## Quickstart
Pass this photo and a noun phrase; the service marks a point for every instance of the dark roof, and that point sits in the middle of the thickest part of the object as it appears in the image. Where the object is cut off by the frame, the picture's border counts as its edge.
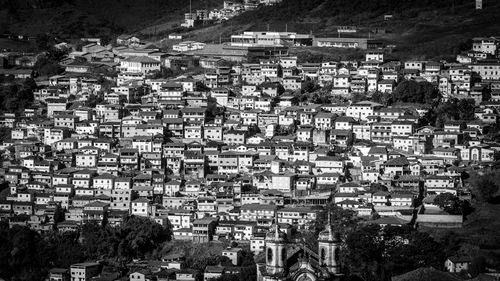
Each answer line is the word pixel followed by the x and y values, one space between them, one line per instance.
pixel 377 150
pixel 460 259
pixel 426 274
pixel 399 161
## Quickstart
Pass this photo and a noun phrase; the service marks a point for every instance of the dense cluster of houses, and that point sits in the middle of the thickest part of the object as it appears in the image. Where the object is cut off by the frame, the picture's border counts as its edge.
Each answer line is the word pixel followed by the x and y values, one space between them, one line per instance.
pixel 227 153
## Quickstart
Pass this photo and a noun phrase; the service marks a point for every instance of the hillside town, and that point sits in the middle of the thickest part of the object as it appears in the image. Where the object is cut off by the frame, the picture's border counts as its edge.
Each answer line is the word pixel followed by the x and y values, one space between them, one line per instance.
pixel 244 143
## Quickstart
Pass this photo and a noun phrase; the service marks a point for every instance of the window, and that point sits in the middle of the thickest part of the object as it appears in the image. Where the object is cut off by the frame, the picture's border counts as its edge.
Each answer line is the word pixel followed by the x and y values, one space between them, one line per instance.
pixel 269 255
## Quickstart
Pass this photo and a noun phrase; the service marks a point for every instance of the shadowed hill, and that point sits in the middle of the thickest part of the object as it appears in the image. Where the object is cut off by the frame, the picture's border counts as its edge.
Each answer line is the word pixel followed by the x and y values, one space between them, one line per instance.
pixel 77 18
pixel 424 29
pixel 420 29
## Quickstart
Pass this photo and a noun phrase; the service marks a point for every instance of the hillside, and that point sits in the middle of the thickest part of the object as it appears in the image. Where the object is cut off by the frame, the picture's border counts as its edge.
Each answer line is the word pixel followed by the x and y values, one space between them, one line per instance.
pixel 425 29
pixel 478 236
pixel 429 29
pixel 78 18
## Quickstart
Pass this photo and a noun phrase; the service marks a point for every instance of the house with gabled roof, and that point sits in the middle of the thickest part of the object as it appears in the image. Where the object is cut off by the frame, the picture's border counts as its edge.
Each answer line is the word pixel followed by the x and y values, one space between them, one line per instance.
pixel 379 152
pixel 457 263
pixel 105 181
pixel 141 207
pixel 361 110
pixel 350 187
pixel 396 166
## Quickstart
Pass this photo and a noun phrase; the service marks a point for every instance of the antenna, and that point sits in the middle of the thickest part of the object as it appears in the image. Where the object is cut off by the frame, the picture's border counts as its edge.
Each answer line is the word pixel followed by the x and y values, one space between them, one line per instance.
pixel 277 225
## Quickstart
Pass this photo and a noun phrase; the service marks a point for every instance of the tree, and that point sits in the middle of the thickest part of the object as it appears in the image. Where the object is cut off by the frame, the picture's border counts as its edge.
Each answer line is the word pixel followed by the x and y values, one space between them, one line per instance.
pixel 486 94
pixel 407 249
pixel 448 202
pixel 5 133
pixel 478 265
pixel 30 84
pixel 47 67
pixel 341 219
pixel 363 253
pixel 357 97
pixel 93 100
pixel 410 91
pixel 136 238
pixel 15 97
pixel 376 253
pixel 376 187
pixel 453 109
pixel 382 98
pixel 20 252
pixel 309 87
pixel 58 214
pixel 485 187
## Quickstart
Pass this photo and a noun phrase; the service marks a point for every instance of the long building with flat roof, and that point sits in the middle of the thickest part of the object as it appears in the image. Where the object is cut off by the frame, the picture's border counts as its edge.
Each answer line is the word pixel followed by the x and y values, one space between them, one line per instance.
pixel 348 43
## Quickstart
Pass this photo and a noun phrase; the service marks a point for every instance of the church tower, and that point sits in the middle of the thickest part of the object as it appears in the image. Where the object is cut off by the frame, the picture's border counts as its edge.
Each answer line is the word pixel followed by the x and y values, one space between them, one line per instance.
pixel 329 248
pixel 276 250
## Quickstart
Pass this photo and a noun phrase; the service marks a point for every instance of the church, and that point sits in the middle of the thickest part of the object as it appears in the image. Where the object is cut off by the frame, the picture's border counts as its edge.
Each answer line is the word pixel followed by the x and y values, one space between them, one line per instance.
pixel 291 261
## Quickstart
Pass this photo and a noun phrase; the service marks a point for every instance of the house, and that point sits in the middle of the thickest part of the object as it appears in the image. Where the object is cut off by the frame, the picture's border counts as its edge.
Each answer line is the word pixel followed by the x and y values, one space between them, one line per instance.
pixel 203 229
pixel 361 110
pixel 212 272
pixel 324 121
pixel 381 198
pixel 386 86
pixel 105 181
pixel 127 40
pixel 344 123
pixel 350 187
pixel 457 264
pixel 59 274
pixel 141 207
pixel 299 217
pixel 292 83
pixel 329 164
pixel 95 211
pixel 142 275
pixel 233 137
pixel 84 271
pixel 142 64
pixel 283 182
pixel 262 214
pixel 426 273
pixel 440 184
pixel 187 275
pixel 342 138
pixel 234 254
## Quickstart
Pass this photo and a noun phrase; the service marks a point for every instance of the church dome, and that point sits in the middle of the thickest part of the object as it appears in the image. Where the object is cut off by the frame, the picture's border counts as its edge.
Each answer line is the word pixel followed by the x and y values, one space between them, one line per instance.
pixel 327 234
pixel 275 234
